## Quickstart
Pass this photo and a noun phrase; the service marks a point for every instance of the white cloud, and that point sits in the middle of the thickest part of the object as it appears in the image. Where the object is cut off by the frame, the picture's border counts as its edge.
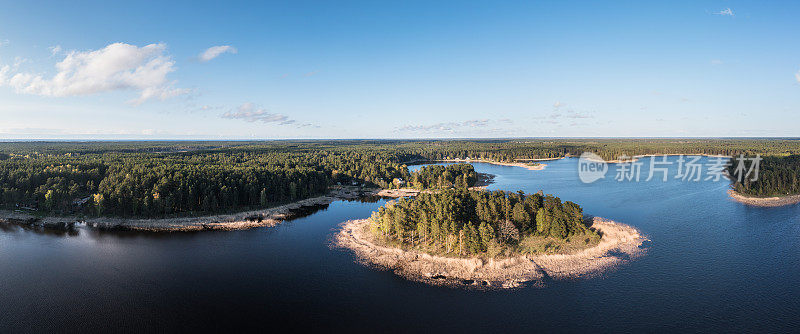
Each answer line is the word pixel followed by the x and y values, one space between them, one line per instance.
pixel 3 42
pixel 725 12
pixel 215 51
pixel 557 105
pixel 250 113
pixel 118 66
pixel 716 62
pixel 796 75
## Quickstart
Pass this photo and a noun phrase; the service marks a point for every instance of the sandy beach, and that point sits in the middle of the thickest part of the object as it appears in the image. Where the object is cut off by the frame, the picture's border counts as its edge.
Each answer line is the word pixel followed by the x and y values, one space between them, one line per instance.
pixel 619 243
pixel 538 166
pixel 542 159
pixel 767 202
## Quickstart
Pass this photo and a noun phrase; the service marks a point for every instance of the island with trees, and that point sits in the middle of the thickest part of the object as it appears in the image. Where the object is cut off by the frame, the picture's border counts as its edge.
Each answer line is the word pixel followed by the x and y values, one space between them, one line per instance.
pixel 489 239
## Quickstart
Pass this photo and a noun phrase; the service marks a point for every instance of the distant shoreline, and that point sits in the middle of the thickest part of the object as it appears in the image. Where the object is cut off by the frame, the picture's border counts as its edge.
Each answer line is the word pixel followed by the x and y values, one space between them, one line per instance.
pixel 266 217
pixel 619 243
pixel 764 202
pixel 242 220
pixel 541 166
pixel 639 156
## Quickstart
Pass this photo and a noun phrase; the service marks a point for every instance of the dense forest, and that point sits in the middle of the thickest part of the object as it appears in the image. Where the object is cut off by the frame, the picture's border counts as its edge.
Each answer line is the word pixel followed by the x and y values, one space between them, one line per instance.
pixel 777 176
pixel 462 222
pixel 166 178
pixel 133 181
pixel 461 176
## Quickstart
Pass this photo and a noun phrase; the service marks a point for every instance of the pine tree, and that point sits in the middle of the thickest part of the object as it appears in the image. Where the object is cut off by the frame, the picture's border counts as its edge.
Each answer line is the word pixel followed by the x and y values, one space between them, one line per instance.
pixel 487 234
pixel 521 216
pixel 542 222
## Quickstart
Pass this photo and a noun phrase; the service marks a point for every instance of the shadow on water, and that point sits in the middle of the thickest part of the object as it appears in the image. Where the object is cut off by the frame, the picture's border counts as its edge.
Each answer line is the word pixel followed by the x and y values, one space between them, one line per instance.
pixel 65 229
pixel 71 229
pixel 306 211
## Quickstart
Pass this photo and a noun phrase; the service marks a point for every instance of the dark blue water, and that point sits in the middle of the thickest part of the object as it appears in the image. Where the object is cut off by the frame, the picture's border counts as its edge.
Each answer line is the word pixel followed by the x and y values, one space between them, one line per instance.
pixel 713 265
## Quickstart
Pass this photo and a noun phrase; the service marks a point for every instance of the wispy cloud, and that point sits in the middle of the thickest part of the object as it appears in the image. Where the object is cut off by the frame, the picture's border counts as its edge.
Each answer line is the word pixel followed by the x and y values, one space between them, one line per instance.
pixel 447 126
pixel 574 114
pixel 118 66
pixel 216 51
pixel 19 61
pixel 195 108
pixel 797 76
pixel 716 62
pixel 54 50
pixel 725 12
pixel 251 113
pixel 4 42
pixel 558 112
pixel 5 71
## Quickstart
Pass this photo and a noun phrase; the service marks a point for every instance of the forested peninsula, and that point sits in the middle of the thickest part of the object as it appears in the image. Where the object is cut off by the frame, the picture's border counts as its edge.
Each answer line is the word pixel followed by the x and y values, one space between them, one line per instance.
pixel 777 182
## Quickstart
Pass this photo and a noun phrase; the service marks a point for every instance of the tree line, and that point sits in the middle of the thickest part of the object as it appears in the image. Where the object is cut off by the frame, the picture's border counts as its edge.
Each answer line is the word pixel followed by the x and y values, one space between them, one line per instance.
pixel 461 176
pixel 463 222
pixel 777 176
pixel 165 178
pixel 141 183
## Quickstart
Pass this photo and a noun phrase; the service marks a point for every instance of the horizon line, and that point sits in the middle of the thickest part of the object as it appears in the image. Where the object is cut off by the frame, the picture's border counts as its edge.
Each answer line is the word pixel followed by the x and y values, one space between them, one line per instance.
pixel 23 140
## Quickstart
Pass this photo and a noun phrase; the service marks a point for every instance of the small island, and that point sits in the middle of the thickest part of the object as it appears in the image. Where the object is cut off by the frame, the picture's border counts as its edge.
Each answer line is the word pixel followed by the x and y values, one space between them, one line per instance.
pixel 488 239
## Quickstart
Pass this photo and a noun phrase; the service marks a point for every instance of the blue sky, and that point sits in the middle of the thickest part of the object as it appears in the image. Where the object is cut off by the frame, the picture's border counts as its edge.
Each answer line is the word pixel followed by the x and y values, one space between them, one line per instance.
pixel 403 69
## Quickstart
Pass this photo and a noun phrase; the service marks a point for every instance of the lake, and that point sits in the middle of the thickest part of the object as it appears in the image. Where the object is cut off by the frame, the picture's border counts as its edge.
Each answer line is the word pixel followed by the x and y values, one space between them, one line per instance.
pixel 713 265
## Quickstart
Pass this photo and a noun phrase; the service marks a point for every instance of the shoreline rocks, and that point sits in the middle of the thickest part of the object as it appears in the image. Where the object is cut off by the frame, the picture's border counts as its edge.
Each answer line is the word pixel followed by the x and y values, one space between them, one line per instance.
pixel 764 202
pixel 619 243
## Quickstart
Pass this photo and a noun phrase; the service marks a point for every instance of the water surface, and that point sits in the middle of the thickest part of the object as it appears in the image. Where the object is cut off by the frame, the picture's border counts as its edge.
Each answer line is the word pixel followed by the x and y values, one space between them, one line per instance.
pixel 712 265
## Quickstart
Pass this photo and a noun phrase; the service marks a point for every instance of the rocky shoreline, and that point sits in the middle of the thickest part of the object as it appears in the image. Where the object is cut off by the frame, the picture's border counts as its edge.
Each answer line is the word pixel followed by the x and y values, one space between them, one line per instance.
pixel 764 202
pixel 619 243
pixel 233 221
